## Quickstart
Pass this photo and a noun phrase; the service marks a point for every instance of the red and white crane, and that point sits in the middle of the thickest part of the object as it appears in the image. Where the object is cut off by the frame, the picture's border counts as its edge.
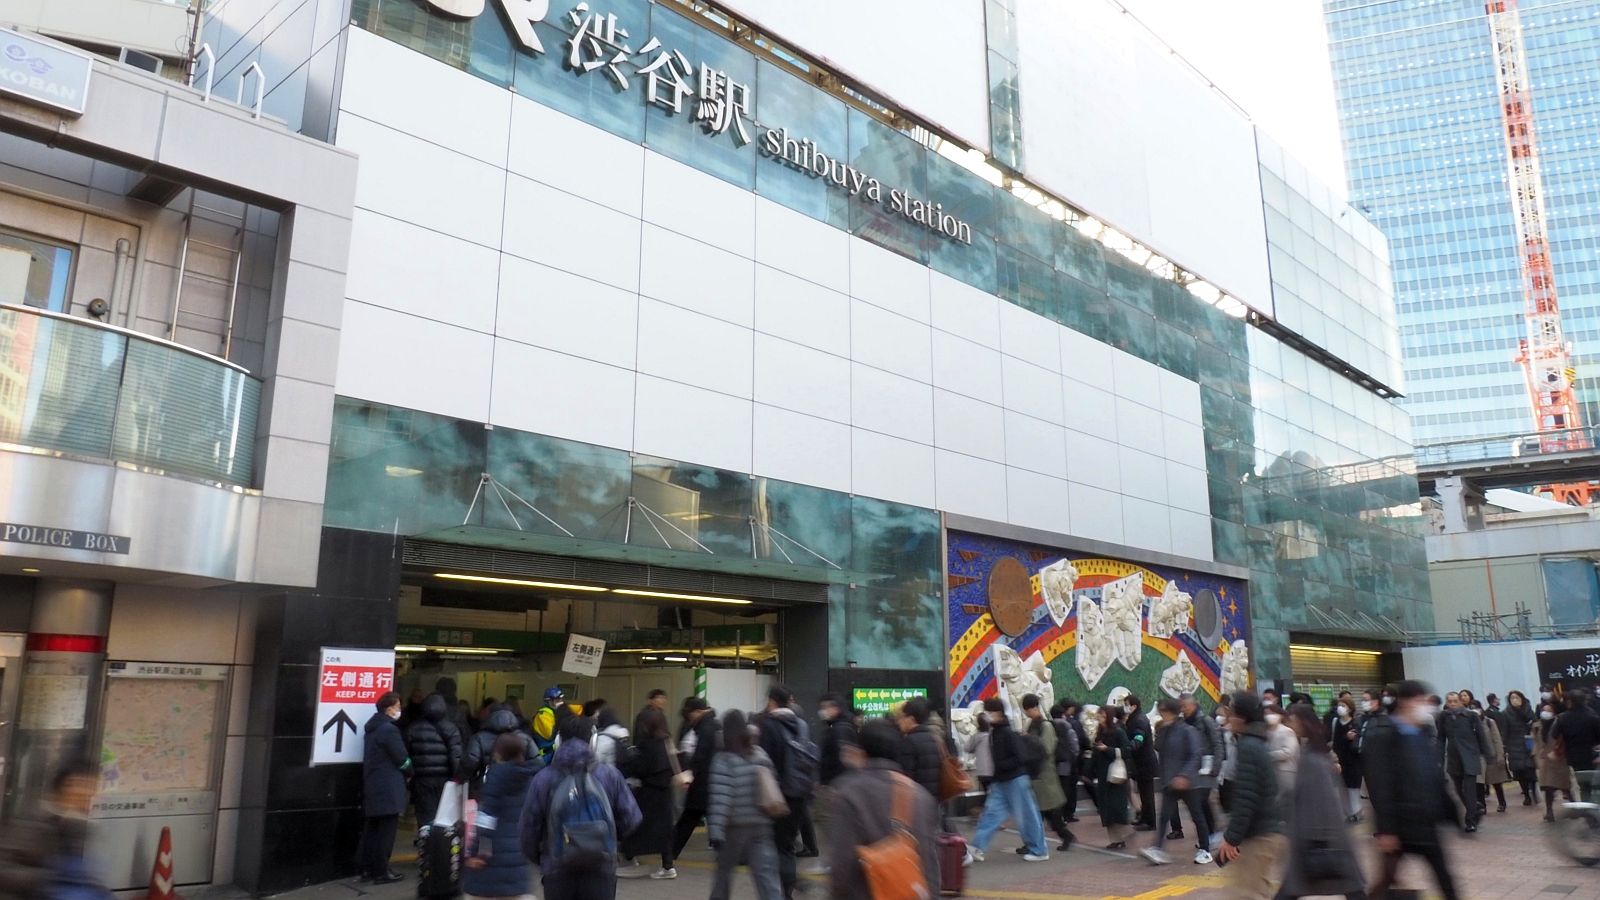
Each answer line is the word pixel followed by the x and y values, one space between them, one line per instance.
pixel 1544 353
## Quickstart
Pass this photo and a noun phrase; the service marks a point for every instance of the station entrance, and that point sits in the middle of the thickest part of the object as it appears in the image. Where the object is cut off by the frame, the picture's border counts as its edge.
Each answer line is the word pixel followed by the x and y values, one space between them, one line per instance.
pixel 498 622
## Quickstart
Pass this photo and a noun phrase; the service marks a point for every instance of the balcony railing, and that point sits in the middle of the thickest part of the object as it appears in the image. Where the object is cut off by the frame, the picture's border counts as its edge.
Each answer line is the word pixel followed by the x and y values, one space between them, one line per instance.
pixel 1507 447
pixel 93 390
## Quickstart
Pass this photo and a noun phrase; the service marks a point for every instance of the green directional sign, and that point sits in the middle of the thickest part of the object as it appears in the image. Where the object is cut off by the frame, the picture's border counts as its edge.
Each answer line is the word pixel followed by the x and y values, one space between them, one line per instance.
pixel 874 702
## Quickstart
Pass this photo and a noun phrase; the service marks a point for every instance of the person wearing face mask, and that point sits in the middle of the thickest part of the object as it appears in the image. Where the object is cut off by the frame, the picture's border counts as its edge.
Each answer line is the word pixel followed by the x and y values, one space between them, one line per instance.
pixel 1346 732
pixel 1555 776
pixel 1344 699
pixel 385 766
pixel 1253 841
pixel 1223 716
pixel 1143 765
pixel 1408 791
pixel 1284 748
pixel 1461 741
pixel 1322 861
pixel 1516 733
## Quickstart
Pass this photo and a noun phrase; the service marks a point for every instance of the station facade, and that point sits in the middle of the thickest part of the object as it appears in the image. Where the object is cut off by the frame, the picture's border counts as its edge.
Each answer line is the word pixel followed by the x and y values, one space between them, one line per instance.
pixel 1004 355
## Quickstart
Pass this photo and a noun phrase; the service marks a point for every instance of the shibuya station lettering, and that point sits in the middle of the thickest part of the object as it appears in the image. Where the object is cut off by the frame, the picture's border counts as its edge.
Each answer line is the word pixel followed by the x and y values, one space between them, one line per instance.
pixel 805 156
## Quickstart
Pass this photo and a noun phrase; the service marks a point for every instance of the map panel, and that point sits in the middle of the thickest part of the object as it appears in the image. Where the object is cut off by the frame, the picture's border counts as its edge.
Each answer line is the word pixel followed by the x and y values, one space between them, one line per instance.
pixel 158 735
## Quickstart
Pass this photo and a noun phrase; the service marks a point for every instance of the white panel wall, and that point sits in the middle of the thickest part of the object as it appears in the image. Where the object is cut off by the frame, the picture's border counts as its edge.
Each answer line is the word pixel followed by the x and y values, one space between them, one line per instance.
pixel 698 322
pixel 929 56
pixel 1116 125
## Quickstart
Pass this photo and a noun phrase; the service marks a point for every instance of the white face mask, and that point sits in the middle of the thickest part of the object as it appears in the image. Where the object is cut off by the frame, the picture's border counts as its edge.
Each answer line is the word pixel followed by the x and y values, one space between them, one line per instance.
pixel 1547 715
pixel 1344 710
pixel 393 712
pixel 1388 701
pixel 1222 719
pixel 1273 719
pixel 1544 695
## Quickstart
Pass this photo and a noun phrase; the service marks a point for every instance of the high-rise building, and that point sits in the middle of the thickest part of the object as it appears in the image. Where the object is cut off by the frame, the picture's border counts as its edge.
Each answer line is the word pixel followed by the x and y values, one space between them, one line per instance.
pixel 1420 104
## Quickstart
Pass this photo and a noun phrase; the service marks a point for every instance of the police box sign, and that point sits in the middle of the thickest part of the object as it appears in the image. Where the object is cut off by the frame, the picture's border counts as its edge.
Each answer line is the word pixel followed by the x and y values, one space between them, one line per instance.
pixel 63 538
pixel 44 72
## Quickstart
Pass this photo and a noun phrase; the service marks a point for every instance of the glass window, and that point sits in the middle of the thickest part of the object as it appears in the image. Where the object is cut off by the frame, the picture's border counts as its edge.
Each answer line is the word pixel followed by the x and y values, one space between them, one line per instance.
pixel 401 471
pixel 34 272
pixel 714 129
pixel 900 166
pixel 806 114
pixel 678 506
pixel 593 96
pixel 973 201
pixel 581 487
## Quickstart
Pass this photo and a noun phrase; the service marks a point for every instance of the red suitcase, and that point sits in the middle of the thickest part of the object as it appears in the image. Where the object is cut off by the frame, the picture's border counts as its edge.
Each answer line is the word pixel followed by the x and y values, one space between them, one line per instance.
pixel 952 865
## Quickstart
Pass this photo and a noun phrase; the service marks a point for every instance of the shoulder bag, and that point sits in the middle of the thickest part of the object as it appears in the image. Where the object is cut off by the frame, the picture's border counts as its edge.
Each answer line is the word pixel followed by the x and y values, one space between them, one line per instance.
pixel 953 778
pixel 769 797
pixel 893 865
pixel 1117 772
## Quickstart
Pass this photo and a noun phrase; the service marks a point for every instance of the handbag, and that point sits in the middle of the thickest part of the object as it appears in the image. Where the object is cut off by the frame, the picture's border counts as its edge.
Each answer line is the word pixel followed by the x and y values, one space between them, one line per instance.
pixel 768 796
pixel 953 778
pixel 893 864
pixel 1117 772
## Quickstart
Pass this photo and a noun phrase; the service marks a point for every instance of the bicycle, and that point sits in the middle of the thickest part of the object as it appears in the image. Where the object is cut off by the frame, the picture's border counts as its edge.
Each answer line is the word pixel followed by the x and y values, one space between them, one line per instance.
pixel 1576 831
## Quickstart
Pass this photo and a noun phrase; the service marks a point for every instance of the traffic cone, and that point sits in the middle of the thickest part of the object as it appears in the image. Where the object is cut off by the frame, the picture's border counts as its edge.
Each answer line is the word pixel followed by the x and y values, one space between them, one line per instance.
pixel 161 874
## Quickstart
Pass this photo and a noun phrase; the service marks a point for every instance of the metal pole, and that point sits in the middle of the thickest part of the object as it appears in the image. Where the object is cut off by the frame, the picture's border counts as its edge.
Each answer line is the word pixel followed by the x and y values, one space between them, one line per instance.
pixel 183 262
pixel 233 296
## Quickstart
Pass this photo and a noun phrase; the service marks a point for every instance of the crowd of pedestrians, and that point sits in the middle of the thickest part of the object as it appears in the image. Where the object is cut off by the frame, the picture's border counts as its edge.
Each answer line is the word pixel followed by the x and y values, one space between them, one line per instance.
pixel 1270 786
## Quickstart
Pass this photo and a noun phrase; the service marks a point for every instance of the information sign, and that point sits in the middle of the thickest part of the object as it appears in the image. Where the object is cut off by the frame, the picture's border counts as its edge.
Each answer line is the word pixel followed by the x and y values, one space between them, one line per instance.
pixel 583 655
pixel 1569 669
pixel 349 684
pixel 873 702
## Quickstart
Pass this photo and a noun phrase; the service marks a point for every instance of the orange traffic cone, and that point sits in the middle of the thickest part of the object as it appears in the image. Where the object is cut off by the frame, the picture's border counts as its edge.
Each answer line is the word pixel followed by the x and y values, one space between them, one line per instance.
pixel 161 874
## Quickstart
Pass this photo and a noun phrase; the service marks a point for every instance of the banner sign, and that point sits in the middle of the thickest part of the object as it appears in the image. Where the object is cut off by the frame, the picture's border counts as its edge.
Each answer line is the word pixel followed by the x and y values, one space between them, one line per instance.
pixel 583 655
pixel 1567 670
pixel 349 685
pixel 873 702
pixel 44 72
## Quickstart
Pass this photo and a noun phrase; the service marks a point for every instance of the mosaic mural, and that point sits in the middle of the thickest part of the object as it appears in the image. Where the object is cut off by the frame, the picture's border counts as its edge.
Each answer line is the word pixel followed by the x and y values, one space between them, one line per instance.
pixel 1028 619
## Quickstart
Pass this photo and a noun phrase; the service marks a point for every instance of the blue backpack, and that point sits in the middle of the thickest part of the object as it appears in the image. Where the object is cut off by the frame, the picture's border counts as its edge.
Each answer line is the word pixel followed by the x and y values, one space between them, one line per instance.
pixel 581 831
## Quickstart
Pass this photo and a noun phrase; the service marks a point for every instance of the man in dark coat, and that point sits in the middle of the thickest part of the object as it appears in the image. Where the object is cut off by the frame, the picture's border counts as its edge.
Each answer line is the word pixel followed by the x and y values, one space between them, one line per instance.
pixel 435 747
pixel 920 758
pixel 1578 729
pixel 43 853
pixel 1462 745
pixel 1407 790
pixel 479 752
pixel 1253 841
pixel 1145 767
pixel 838 733
pixel 1213 754
pixel 699 720
pixel 446 688
pixel 385 766
pixel 779 726
pixel 1180 750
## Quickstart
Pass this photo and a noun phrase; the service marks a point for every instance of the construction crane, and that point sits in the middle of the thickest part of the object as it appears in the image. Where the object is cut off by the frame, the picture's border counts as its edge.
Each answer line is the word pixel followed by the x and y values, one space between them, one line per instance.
pixel 1544 354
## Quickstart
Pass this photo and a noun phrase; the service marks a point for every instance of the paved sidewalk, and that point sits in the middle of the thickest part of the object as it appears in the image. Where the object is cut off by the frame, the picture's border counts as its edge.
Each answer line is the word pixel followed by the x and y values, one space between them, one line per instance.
pixel 1508 859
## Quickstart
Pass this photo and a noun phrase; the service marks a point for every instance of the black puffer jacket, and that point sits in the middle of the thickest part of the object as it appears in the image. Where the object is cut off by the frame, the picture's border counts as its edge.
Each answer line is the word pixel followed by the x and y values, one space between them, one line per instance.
pixel 1005 748
pixel 1255 789
pixel 836 735
pixel 480 749
pixel 920 758
pixel 434 743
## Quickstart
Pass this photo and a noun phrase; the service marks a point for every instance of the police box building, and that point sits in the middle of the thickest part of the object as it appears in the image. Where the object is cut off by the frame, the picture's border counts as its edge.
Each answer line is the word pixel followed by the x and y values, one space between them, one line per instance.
pixel 614 345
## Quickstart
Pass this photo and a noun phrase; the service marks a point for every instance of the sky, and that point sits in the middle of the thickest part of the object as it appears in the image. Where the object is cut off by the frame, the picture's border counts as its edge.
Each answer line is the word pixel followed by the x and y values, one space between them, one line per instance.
pixel 1271 58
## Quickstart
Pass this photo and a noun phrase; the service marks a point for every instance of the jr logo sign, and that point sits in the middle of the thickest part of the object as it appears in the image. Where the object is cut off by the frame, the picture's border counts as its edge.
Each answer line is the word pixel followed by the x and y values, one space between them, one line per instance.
pixel 520 13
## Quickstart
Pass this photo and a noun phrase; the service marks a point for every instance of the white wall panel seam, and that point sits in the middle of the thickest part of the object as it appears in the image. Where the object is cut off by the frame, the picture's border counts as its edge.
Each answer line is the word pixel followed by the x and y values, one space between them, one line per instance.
pixel 638 328
pixel 505 187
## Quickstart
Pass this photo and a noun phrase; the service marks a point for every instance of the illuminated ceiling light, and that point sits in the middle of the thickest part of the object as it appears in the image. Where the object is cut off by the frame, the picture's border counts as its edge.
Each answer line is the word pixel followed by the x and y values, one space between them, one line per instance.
pixel 475 651
pixel 519 582
pixel 674 659
pixel 1310 649
pixel 633 650
pixel 401 471
pixel 651 658
pixel 29 570
pixel 410 648
pixel 659 595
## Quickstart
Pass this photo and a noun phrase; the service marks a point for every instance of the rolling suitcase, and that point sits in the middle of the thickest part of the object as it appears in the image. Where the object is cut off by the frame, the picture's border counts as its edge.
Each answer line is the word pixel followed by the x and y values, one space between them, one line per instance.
pixel 952 865
pixel 439 856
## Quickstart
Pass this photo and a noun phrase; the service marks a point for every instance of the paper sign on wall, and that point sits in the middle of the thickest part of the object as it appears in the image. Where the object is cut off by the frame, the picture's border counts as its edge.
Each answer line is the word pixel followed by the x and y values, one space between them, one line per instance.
pixel 583 655
pixel 349 685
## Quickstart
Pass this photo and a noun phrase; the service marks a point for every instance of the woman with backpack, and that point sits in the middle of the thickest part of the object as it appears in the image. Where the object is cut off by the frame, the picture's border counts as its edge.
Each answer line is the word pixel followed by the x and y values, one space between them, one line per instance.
pixel 653 768
pixel 610 739
pixel 495 865
pixel 739 829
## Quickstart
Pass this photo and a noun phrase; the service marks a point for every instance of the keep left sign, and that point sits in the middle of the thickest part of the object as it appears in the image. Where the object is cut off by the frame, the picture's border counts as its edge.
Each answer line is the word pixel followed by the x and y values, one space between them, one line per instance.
pixel 349 683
